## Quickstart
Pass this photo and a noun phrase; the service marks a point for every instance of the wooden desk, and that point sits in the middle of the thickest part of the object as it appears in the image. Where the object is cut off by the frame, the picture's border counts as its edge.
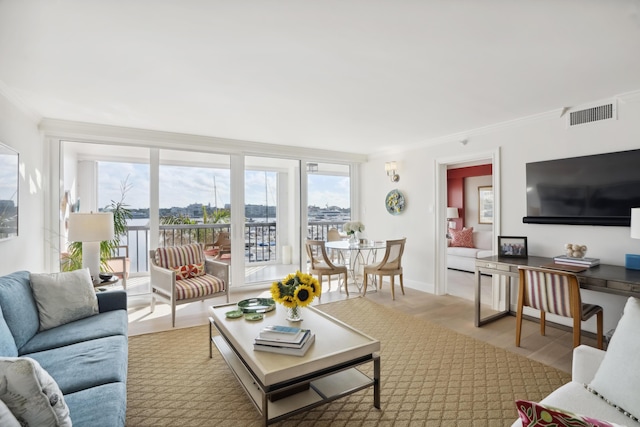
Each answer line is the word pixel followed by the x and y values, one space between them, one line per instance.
pixel 611 279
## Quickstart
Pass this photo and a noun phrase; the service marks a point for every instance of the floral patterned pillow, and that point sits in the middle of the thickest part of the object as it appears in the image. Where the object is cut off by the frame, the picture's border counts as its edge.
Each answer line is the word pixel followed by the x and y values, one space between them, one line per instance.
pixel 462 238
pixel 31 394
pixel 189 271
pixel 536 415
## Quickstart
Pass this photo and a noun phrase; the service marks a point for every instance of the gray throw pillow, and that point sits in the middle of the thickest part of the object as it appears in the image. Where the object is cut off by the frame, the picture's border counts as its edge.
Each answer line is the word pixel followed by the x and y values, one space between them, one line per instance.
pixel 63 297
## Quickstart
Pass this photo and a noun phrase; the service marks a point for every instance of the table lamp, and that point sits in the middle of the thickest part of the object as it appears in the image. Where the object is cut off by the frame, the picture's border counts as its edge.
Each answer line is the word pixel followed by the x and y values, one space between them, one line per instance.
pixel 91 229
pixel 632 261
pixel 452 213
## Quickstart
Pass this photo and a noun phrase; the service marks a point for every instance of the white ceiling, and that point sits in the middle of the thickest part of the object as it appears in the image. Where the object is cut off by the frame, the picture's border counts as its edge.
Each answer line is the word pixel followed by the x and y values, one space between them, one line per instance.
pixel 352 75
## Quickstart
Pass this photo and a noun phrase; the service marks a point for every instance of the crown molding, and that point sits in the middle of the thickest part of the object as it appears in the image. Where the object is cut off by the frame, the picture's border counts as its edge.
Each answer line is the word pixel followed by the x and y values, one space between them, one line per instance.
pixel 108 134
pixel 19 103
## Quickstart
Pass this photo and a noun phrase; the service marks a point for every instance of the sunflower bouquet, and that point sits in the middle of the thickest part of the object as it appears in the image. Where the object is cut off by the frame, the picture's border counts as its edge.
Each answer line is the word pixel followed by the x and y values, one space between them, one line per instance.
pixel 296 290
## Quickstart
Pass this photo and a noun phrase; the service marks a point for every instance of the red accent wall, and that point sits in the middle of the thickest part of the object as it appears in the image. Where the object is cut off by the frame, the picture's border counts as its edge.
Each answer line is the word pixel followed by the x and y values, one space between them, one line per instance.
pixel 455 187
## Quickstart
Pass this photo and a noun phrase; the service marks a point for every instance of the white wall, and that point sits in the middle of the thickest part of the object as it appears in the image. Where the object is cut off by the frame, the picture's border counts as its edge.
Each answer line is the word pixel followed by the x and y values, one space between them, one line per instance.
pixel 541 138
pixel 19 131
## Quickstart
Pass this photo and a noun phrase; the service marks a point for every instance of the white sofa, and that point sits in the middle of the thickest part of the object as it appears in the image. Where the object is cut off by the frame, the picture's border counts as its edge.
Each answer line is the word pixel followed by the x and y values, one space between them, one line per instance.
pixel 465 258
pixel 614 374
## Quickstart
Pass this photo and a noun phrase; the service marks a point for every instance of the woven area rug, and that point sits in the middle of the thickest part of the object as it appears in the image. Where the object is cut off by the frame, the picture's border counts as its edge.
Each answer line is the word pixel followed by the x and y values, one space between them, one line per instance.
pixel 431 376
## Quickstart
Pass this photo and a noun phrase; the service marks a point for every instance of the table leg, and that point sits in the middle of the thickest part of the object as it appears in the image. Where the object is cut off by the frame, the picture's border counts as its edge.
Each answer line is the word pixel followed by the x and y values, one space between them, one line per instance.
pixel 478 320
pixel 376 381
pixel 265 409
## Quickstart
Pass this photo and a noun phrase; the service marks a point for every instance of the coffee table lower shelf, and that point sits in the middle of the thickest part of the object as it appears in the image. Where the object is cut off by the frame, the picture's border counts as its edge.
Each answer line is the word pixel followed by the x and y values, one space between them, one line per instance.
pixel 323 388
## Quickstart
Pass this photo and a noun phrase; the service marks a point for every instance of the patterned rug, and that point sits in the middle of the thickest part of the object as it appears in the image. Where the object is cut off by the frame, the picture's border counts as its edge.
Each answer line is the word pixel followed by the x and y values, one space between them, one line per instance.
pixel 431 376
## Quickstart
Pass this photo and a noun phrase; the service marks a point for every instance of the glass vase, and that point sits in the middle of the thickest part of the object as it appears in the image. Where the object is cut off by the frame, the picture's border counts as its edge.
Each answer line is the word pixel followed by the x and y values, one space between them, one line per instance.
pixel 353 239
pixel 294 314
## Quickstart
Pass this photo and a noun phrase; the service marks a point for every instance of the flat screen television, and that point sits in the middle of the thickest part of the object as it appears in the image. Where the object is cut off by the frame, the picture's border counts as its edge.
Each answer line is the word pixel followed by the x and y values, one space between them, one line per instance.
pixel 589 190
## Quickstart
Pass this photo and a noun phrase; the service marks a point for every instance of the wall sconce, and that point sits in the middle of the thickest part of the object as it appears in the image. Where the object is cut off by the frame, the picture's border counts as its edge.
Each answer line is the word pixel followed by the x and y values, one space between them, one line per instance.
pixel 312 167
pixel 391 168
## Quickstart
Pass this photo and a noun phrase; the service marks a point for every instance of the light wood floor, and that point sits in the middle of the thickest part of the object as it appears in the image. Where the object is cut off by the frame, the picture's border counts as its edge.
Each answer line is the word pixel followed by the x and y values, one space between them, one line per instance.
pixel 453 311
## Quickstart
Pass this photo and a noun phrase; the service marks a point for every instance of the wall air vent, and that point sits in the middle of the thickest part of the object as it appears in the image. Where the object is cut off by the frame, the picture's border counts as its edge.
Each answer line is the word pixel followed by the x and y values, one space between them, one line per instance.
pixel 596 113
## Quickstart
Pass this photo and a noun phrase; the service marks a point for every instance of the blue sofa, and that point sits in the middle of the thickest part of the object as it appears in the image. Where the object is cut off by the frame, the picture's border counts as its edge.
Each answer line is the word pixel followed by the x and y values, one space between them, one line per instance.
pixel 87 358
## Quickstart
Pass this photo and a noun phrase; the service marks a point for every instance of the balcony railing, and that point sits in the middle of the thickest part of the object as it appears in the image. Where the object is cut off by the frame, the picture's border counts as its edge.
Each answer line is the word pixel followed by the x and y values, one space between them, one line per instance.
pixel 261 245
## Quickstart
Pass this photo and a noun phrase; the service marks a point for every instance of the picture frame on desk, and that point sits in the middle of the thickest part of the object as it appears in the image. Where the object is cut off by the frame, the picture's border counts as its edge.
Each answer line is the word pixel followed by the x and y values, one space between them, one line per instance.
pixel 512 246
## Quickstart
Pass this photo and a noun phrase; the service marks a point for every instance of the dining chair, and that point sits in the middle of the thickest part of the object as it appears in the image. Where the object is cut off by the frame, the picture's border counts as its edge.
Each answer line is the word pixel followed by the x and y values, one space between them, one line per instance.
pixel 391 265
pixel 333 235
pixel 556 292
pixel 321 265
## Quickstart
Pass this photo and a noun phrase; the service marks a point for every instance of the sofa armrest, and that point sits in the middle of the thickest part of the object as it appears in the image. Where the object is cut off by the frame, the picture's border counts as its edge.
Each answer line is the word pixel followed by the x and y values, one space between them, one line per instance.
pixel 586 361
pixel 112 300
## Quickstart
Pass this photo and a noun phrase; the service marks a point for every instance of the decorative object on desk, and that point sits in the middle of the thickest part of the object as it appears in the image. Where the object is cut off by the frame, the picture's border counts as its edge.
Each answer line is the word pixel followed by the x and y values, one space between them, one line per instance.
pixel 512 246
pixel 575 250
pixel 632 261
pixel 395 202
pixel 295 291
pixel 351 228
pixel 584 262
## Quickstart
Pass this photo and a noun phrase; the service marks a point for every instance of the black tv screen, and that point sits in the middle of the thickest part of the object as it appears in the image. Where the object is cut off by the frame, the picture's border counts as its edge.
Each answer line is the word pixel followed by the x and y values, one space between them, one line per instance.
pixel 589 190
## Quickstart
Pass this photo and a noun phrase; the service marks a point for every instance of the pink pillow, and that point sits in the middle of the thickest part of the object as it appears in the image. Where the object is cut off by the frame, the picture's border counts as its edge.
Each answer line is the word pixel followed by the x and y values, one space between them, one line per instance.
pixel 534 414
pixel 462 238
pixel 189 271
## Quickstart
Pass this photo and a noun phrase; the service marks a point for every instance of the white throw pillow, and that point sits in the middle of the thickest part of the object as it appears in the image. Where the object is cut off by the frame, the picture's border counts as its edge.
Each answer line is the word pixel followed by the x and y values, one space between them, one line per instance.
pixel 31 394
pixel 64 297
pixel 618 377
pixel 7 419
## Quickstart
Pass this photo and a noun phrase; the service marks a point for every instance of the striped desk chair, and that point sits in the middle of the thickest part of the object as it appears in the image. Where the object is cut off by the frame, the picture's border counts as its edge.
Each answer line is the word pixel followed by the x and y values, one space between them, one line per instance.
pixel 556 292
pixel 182 274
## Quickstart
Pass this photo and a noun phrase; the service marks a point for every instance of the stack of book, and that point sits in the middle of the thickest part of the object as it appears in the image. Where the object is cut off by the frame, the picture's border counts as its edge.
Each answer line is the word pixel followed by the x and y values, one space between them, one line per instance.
pixel 583 262
pixel 284 340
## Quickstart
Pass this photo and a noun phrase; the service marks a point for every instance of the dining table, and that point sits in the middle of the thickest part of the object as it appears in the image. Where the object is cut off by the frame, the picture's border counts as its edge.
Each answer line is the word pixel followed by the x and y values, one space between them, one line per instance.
pixel 356 255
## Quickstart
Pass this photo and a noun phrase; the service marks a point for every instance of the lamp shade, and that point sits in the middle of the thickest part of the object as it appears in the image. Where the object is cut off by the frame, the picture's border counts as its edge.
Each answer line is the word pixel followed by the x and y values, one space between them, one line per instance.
pixel 452 213
pixel 635 223
pixel 390 166
pixel 90 227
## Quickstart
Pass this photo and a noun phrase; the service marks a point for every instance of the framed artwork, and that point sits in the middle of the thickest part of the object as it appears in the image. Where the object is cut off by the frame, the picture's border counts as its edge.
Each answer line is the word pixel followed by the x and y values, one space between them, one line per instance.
pixel 512 246
pixel 485 205
pixel 9 191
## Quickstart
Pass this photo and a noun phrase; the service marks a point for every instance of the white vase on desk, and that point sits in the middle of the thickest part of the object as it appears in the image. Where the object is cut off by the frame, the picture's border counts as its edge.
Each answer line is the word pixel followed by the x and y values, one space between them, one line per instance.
pixel 353 239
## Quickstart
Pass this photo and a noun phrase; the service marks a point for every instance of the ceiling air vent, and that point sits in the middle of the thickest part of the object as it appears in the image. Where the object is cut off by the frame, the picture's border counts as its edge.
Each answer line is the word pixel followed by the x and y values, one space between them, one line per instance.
pixel 592 114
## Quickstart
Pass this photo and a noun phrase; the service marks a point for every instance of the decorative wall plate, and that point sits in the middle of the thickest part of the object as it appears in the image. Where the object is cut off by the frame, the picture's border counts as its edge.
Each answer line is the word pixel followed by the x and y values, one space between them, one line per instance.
pixel 394 202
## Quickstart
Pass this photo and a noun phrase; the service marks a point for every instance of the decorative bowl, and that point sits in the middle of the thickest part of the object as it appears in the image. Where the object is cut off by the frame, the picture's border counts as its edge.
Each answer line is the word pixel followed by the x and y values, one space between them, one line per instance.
pixel 257 305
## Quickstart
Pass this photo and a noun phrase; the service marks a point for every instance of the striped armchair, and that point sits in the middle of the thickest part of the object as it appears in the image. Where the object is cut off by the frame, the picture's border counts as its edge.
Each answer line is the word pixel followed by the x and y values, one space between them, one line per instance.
pixel 182 274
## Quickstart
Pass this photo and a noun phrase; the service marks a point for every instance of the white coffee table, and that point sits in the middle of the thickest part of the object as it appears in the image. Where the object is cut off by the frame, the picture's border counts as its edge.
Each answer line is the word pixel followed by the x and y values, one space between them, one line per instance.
pixel 329 368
